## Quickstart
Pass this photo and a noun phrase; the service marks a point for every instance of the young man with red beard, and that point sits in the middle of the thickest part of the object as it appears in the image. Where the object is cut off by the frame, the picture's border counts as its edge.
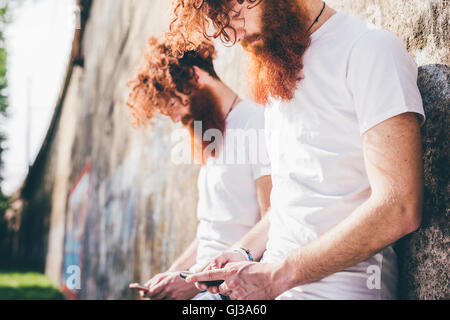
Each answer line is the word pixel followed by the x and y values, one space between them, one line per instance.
pixel 343 123
pixel 234 182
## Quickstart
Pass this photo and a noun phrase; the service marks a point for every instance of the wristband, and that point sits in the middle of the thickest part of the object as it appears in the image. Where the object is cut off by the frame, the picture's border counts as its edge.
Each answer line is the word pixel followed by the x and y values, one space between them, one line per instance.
pixel 245 253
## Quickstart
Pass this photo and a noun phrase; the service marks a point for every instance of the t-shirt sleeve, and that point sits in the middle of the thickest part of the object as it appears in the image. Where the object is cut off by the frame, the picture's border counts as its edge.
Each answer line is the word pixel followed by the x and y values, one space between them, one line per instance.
pixel 258 156
pixel 382 78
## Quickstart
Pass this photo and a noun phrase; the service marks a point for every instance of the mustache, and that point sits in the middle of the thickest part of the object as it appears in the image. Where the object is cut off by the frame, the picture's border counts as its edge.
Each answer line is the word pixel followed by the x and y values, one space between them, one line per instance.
pixel 247 42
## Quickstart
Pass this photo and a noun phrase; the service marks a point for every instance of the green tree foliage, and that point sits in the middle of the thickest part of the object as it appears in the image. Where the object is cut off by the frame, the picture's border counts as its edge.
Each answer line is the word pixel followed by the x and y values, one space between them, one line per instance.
pixel 3 114
pixel 3 81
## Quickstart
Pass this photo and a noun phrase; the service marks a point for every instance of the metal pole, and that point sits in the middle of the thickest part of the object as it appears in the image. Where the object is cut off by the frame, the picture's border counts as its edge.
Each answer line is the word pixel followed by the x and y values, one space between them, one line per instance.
pixel 28 123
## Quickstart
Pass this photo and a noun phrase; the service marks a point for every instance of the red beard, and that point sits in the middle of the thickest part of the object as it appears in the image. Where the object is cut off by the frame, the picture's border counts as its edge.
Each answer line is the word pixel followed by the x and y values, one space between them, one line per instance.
pixel 204 107
pixel 276 57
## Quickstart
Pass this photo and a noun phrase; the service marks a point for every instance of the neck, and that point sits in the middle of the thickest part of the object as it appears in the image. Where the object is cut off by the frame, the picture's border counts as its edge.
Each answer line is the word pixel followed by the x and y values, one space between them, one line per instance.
pixel 313 8
pixel 227 97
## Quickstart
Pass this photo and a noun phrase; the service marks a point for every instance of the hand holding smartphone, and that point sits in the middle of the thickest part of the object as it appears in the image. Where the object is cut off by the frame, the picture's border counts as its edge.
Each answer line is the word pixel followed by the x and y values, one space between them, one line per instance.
pixel 138 286
pixel 215 283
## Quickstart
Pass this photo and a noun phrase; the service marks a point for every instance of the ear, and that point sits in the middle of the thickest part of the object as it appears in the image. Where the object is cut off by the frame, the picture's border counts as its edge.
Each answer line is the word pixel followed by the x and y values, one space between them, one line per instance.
pixel 201 77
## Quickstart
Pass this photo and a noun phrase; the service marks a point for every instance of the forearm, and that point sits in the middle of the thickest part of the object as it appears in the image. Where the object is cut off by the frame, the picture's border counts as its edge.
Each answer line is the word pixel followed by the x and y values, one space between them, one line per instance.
pixel 393 161
pixel 369 229
pixel 187 259
pixel 256 239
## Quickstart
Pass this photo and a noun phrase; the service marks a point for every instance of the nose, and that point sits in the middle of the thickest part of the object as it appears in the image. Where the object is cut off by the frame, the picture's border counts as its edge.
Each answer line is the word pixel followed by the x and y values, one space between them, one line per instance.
pixel 240 34
pixel 175 118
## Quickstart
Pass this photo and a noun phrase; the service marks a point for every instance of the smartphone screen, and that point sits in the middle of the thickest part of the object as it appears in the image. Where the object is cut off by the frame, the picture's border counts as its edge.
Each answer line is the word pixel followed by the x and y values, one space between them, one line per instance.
pixel 214 283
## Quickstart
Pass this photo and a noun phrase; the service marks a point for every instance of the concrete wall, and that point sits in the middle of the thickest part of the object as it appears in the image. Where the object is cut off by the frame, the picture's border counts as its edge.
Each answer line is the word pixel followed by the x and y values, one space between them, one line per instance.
pixel 135 211
pixel 107 197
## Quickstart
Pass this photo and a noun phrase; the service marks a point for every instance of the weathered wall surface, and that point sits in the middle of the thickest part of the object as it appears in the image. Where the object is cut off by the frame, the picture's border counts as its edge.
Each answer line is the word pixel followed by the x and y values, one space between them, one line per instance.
pixel 120 209
pixel 425 254
pixel 108 199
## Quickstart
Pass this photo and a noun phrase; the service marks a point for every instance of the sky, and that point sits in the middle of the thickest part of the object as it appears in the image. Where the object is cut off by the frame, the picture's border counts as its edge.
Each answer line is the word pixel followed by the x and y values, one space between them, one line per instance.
pixel 39 41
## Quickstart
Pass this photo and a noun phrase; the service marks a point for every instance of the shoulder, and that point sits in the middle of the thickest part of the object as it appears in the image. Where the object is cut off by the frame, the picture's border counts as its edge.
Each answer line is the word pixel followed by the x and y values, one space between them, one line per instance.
pixel 250 115
pixel 352 29
pixel 255 118
pixel 379 48
pixel 376 41
pixel 365 36
pixel 378 37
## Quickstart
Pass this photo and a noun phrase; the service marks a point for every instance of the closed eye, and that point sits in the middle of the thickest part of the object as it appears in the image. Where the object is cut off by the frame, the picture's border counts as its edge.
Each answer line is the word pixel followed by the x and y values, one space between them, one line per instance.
pixel 235 14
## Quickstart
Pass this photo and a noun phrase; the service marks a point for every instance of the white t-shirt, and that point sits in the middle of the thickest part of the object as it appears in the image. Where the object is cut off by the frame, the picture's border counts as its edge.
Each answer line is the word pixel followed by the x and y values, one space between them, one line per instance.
pixel 227 206
pixel 355 76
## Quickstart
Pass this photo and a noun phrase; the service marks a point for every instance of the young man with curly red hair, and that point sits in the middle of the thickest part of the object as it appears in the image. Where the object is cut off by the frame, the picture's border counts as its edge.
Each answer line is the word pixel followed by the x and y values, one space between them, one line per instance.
pixel 343 123
pixel 234 182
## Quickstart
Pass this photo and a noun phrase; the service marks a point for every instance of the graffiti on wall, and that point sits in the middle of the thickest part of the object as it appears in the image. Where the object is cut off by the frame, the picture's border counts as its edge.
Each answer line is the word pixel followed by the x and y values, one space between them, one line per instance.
pixel 111 228
pixel 74 234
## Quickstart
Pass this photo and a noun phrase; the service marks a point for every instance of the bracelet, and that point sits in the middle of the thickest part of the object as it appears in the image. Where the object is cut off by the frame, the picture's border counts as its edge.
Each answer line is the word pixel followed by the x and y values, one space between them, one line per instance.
pixel 244 252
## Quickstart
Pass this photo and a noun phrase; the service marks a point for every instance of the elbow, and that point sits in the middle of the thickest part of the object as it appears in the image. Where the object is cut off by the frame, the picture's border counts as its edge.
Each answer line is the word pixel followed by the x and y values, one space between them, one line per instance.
pixel 413 224
pixel 411 219
pixel 403 211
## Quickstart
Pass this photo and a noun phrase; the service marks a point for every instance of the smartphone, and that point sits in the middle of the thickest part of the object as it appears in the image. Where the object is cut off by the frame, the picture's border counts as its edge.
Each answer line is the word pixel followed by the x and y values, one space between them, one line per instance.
pixel 215 283
pixel 138 286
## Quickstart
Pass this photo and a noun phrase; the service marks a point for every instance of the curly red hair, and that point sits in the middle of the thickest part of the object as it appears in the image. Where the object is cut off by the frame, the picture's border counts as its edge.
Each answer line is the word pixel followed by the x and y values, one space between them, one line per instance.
pixel 192 20
pixel 162 74
pixel 276 62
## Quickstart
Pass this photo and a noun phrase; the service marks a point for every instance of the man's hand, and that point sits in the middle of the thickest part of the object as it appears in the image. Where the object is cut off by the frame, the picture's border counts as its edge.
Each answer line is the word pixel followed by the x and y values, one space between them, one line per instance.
pixel 220 262
pixel 223 259
pixel 169 286
pixel 245 280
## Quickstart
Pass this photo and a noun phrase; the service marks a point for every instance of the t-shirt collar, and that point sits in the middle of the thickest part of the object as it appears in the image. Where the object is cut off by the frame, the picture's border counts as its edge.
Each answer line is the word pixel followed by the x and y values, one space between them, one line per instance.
pixel 326 26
